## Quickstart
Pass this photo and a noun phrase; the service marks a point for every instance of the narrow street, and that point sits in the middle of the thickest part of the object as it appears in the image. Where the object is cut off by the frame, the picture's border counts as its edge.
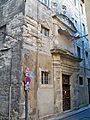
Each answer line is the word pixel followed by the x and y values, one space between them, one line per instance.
pixel 44 59
pixel 84 115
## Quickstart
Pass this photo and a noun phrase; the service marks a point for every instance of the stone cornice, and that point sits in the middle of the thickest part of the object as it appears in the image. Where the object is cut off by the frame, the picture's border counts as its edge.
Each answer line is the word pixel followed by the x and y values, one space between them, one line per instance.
pixel 65 54
pixel 68 23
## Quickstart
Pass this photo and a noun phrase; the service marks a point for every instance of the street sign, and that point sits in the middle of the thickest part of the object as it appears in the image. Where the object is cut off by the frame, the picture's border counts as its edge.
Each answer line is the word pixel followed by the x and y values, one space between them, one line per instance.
pixel 27 72
pixel 27 79
pixel 27 87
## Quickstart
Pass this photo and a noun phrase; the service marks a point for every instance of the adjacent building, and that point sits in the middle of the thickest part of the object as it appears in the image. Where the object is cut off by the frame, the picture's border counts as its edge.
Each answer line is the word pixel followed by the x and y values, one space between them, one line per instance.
pixel 51 38
pixel 87 4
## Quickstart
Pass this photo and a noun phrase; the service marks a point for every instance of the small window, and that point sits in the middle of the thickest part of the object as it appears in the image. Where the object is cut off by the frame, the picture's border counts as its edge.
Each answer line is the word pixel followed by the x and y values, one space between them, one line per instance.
pixel 86 54
pixel 64 9
pixel 44 77
pixel 78 52
pixel 80 80
pixel 44 31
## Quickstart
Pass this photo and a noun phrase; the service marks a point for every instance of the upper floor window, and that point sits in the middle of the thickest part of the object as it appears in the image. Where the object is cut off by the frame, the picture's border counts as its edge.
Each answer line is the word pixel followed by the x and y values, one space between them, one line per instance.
pixel 83 28
pixel 80 80
pixel 86 54
pixel 2 35
pixel 78 52
pixel 81 8
pixel 46 2
pixel 44 30
pixel 75 2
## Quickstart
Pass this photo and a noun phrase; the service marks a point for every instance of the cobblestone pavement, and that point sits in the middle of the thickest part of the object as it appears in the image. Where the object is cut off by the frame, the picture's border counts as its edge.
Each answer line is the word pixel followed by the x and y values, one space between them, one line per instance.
pixel 84 115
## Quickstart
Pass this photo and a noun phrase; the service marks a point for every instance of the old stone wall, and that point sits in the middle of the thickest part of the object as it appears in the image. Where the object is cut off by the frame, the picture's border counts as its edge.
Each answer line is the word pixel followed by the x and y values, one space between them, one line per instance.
pixel 36 45
pixel 36 55
pixel 11 15
pixel 87 3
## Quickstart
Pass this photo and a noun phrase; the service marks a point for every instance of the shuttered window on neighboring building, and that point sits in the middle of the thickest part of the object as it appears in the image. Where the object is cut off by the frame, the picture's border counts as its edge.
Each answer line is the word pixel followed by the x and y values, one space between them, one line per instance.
pixel 80 80
pixel 2 35
pixel 78 52
pixel 86 54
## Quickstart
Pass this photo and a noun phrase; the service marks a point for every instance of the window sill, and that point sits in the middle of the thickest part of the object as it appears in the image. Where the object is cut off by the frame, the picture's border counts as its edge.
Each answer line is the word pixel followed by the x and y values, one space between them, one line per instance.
pixel 81 85
pixel 46 86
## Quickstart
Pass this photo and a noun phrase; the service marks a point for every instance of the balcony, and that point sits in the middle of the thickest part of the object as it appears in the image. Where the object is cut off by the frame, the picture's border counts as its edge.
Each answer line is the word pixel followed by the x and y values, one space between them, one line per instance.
pixel 69 29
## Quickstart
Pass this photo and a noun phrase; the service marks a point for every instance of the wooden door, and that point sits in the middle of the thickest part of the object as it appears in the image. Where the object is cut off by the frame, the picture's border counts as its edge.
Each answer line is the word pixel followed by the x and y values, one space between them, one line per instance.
pixel 66 92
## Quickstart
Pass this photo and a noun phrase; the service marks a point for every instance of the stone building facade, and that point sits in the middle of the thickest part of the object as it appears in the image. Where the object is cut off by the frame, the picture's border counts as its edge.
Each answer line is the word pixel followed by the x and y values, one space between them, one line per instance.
pixel 87 4
pixel 50 37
